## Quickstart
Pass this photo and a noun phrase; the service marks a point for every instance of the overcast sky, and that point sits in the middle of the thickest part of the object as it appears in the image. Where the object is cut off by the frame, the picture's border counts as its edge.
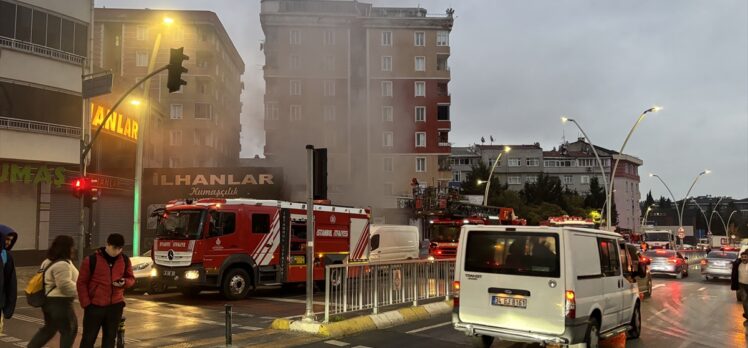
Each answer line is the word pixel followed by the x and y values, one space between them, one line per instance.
pixel 518 65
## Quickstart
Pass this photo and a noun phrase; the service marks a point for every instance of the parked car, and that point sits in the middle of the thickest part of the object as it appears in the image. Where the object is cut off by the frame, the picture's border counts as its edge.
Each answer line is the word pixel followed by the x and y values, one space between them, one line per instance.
pixel 718 264
pixel 546 285
pixel 393 242
pixel 645 281
pixel 669 262
pixel 141 269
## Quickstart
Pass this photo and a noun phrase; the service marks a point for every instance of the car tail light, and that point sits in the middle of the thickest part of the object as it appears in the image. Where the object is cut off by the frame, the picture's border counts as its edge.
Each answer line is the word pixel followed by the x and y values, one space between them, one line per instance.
pixel 456 293
pixel 571 304
pixel 672 260
pixel 438 251
pixel 704 262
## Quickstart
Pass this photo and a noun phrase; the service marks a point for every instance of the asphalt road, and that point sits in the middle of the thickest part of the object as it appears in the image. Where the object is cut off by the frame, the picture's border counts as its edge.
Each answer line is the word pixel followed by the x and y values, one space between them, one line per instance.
pixel 681 313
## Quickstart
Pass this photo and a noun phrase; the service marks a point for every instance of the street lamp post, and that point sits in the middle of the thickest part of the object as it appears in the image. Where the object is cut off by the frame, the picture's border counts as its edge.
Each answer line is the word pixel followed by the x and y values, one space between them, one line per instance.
pixel 680 218
pixel 714 210
pixel 615 166
pixel 488 183
pixel 138 184
pixel 565 119
pixel 675 202
pixel 728 219
pixel 644 220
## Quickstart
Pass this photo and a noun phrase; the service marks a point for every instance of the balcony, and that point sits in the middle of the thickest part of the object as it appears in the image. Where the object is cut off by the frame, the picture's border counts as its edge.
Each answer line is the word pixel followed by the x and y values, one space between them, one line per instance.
pixel 41 50
pixel 39 127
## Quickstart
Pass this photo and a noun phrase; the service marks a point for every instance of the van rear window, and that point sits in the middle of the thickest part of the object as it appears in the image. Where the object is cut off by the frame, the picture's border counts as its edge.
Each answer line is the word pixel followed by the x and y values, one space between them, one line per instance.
pixel 516 253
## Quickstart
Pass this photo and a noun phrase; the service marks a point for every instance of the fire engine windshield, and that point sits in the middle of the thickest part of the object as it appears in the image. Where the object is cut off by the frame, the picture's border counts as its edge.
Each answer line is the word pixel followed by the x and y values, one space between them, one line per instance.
pixel 444 233
pixel 180 224
pixel 658 237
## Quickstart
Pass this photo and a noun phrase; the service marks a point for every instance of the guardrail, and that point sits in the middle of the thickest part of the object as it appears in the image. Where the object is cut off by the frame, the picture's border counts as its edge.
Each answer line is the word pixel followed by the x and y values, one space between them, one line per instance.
pixel 369 286
pixel 41 50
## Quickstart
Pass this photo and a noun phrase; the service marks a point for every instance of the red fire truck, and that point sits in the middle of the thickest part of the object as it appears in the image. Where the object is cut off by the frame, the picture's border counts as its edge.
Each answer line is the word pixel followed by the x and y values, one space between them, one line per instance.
pixel 234 245
pixel 568 221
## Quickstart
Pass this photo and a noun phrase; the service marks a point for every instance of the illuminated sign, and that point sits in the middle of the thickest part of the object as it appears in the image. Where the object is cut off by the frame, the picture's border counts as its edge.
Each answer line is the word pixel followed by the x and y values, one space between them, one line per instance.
pixel 118 124
pixel 18 173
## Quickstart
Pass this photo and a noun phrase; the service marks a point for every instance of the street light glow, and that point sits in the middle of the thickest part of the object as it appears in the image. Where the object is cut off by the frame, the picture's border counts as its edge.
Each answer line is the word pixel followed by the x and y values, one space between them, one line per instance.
pixel 564 119
pixel 481 182
pixel 135 102
pixel 656 108
pixel 707 171
pixel 651 175
pixel 168 20
pixel 507 148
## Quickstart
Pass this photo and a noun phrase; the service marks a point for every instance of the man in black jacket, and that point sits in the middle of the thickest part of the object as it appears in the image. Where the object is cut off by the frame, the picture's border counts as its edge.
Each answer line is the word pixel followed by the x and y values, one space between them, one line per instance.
pixel 8 282
pixel 739 281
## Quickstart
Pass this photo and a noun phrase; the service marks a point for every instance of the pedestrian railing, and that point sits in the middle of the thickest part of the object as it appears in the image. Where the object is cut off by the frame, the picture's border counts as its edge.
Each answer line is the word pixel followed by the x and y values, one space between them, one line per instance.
pixel 369 286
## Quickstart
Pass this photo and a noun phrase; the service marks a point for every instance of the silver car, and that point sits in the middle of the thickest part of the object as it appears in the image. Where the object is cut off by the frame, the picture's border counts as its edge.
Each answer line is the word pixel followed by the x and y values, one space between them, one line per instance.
pixel 670 262
pixel 718 264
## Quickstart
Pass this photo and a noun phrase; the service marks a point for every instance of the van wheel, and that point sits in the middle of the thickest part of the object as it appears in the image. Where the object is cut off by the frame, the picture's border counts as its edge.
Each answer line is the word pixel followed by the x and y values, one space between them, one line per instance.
pixel 636 324
pixel 592 337
pixel 482 341
pixel 236 284
pixel 649 289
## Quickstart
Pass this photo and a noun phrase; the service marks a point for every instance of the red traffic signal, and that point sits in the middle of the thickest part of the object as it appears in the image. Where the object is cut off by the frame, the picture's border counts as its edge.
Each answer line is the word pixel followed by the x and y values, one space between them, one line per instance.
pixel 81 186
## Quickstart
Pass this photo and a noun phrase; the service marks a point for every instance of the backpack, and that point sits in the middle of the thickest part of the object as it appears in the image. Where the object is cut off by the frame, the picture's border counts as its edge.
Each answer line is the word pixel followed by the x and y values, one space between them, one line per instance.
pixel 92 263
pixel 35 292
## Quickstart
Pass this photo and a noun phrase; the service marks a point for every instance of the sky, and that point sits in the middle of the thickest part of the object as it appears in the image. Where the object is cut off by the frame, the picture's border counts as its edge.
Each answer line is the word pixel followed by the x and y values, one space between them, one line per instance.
pixel 517 66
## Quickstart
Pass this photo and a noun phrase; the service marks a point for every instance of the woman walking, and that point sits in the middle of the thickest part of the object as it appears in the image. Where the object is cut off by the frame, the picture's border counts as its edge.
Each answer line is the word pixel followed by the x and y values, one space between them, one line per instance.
pixel 59 285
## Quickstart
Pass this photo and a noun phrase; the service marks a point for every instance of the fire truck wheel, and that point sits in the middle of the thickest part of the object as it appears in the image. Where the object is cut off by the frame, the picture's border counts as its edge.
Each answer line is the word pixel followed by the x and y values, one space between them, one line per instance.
pixel 236 284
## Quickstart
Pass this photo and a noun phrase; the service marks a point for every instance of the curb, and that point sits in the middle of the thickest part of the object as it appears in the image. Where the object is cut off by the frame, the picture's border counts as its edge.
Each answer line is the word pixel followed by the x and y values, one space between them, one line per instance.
pixel 365 322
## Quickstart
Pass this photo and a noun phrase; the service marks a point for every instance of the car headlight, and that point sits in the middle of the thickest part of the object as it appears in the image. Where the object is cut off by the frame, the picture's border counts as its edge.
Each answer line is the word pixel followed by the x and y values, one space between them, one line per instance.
pixel 140 266
pixel 191 274
pixel 154 272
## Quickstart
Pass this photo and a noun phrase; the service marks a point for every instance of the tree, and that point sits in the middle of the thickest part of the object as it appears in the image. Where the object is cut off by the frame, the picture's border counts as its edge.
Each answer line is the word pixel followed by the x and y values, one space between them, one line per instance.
pixel 546 189
pixel 649 201
pixel 665 203
pixel 596 198
pixel 478 172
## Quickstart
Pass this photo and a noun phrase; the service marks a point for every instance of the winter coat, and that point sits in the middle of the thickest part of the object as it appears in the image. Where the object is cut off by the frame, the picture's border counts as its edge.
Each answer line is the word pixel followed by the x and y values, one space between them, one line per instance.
pixel 735 277
pixel 59 279
pixel 96 288
pixel 8 281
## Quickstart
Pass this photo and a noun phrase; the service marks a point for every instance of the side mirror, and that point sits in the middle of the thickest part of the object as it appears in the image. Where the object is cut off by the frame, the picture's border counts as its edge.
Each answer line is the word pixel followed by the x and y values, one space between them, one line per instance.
pixel 685 257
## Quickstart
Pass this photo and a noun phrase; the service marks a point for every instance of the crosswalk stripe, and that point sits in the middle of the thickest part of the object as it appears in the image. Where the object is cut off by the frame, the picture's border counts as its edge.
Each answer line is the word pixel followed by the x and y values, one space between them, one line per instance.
pixel 337 343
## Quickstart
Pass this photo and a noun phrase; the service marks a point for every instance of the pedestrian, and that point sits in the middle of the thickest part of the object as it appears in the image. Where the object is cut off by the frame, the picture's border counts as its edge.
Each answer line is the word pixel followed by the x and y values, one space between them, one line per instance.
pixel 104 276
pixel 8 282
pixel 739 281
pixel 59 285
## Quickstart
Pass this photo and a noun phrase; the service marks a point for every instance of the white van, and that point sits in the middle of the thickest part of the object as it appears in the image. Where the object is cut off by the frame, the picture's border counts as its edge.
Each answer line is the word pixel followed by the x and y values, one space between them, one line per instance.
pixel 393 242
pixel 547 285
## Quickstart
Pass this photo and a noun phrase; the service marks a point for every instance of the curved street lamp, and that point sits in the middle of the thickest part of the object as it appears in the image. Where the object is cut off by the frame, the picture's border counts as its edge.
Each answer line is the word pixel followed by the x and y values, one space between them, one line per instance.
pixel 714 210
pixel 488 182
pixel 675 201
pixel 644 220
pixel 565 119
pixel 728 219
pixel 615 166
pixel 680 218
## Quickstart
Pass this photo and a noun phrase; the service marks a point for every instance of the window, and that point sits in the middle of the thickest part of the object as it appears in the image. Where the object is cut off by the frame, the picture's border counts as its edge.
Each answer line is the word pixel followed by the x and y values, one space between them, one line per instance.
pixel 141 58
pixel 442 38
pixel 514 162
pixel 420 114
pixel 531 179
pixel 328 113
pixel 221 223
pixel 175 111
pixel 53 31
pixel 386 38
pixel 456 176
pixel 388 166
pixel 271 111
pixel 586 162
pixel 295 37
pixel 442 113
pixel 329 88
pixel 329 64
pixel 295 112
pixel 39 28
pixel 533 162
pixel 387 114
pixel 293 61
pixel 420 89
pixel 203 111
pixel 420 164
pixel 387 139
pixel 420 38
pixel 175 137
pixel 386 88
pixel 420 139
pixel 420 63
pixel 516 253
pixel 295 87
pixel 329 38
pixel 141 32
pixel 610 264
pixel 23 24
pixel 441 62
pixel 514 180
pixel 585 179
pixel 8 19
pixel 260 223
pixel 174 162
pixel 386 63
pixel 444 138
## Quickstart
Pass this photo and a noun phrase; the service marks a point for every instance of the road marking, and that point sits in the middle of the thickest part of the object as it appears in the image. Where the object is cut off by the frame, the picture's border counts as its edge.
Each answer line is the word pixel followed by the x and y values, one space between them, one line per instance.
pixel 702 289
pixel 250 328
pixel 337 343
pixel 288 300
pixel 269 318
pixel 658 286
pixel 361 347
pixel 429 327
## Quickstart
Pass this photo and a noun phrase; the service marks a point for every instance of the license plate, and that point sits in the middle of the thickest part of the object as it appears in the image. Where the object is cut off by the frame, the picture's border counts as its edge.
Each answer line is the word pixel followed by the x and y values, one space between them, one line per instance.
pixel 169 273
pixel 509 301
pixel 298 260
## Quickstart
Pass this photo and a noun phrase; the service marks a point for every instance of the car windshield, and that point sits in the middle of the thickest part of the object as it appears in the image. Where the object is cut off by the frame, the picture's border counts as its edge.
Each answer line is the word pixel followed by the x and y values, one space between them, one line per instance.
pixel 722 255
pixel 516 253
pixel 180 224
pixel 658 237
pixel 660 253
pixel 444 233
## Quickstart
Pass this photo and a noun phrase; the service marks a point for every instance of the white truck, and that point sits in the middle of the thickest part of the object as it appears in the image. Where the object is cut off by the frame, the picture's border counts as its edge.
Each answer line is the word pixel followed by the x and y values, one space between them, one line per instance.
pixel 659 239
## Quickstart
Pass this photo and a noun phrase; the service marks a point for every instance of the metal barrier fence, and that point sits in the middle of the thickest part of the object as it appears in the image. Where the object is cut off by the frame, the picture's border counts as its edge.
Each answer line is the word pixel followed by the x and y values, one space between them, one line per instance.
pixel 369 286
pixel 39 127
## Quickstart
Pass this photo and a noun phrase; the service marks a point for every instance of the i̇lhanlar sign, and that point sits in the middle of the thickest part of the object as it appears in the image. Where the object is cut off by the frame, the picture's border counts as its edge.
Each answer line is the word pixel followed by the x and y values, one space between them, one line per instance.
pixel 118 124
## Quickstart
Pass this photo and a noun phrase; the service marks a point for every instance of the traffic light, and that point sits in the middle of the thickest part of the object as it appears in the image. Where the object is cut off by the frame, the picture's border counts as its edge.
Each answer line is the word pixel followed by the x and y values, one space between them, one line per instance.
pixel 80 186
pixel 176 58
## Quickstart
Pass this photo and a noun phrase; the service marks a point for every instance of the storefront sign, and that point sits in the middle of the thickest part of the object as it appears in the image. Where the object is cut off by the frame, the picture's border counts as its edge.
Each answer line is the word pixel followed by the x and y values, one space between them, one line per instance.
pixel 31 174
pixel 117 124
pixel 177 183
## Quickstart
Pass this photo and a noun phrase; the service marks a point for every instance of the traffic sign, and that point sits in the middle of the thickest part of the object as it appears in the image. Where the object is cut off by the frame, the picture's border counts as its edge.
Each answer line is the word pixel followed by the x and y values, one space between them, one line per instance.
pixel 97 84
pixel 681 232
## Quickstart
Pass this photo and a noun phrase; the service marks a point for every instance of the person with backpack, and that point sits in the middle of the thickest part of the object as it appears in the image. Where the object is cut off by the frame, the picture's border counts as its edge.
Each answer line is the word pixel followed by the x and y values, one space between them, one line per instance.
pixel 8 282
pixel 59 290
pixel 104 276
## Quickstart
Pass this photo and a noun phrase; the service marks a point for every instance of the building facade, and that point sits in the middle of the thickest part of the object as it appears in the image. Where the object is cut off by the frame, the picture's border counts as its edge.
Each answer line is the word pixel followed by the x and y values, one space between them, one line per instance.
pixel 370 84
pixel 573 163
pixel 43 50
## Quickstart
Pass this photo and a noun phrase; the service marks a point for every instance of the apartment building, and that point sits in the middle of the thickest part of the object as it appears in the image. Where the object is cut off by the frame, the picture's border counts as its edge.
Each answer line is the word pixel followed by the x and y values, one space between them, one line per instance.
pixel 368 83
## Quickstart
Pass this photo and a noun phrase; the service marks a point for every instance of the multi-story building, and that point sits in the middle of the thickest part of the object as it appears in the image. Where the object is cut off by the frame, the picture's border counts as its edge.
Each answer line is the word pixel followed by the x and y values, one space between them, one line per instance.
pixel 573 163
pixel 197 126
pixel 43 50
pixel 370 84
